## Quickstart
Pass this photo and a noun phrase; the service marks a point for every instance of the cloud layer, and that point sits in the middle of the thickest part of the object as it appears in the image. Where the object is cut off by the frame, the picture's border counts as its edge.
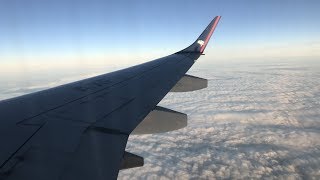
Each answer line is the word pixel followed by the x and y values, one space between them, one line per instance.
pixel 253 121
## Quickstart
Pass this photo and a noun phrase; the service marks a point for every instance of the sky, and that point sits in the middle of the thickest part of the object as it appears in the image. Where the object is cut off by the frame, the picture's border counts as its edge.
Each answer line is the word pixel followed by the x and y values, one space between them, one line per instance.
pixel 47 34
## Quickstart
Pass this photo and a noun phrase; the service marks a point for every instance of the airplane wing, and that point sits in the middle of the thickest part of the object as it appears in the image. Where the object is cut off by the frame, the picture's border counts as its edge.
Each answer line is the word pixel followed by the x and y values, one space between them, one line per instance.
pixel 80 130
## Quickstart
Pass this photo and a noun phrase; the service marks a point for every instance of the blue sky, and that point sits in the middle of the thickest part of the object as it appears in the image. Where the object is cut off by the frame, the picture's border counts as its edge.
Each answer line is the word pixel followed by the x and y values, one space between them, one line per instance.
pixel 77 31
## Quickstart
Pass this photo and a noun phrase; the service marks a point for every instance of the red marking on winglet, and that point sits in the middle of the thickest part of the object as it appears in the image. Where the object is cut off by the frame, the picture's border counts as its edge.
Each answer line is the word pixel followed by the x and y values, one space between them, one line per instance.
pixel 210 33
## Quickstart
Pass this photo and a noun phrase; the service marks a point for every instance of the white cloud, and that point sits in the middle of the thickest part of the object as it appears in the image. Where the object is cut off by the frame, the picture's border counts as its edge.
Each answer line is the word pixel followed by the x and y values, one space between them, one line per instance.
pixel 251 122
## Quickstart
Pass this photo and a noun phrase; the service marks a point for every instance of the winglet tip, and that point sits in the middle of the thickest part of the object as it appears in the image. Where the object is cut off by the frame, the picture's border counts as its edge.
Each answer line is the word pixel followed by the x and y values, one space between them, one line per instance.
pixel 200 44
pixel 213 25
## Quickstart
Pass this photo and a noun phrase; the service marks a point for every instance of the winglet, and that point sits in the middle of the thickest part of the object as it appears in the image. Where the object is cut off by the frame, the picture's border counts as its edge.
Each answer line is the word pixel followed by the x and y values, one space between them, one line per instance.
pixel 200 44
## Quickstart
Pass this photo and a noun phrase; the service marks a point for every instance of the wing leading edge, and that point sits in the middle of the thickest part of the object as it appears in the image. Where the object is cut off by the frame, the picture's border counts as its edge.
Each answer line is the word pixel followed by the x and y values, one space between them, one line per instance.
pixel 80 130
